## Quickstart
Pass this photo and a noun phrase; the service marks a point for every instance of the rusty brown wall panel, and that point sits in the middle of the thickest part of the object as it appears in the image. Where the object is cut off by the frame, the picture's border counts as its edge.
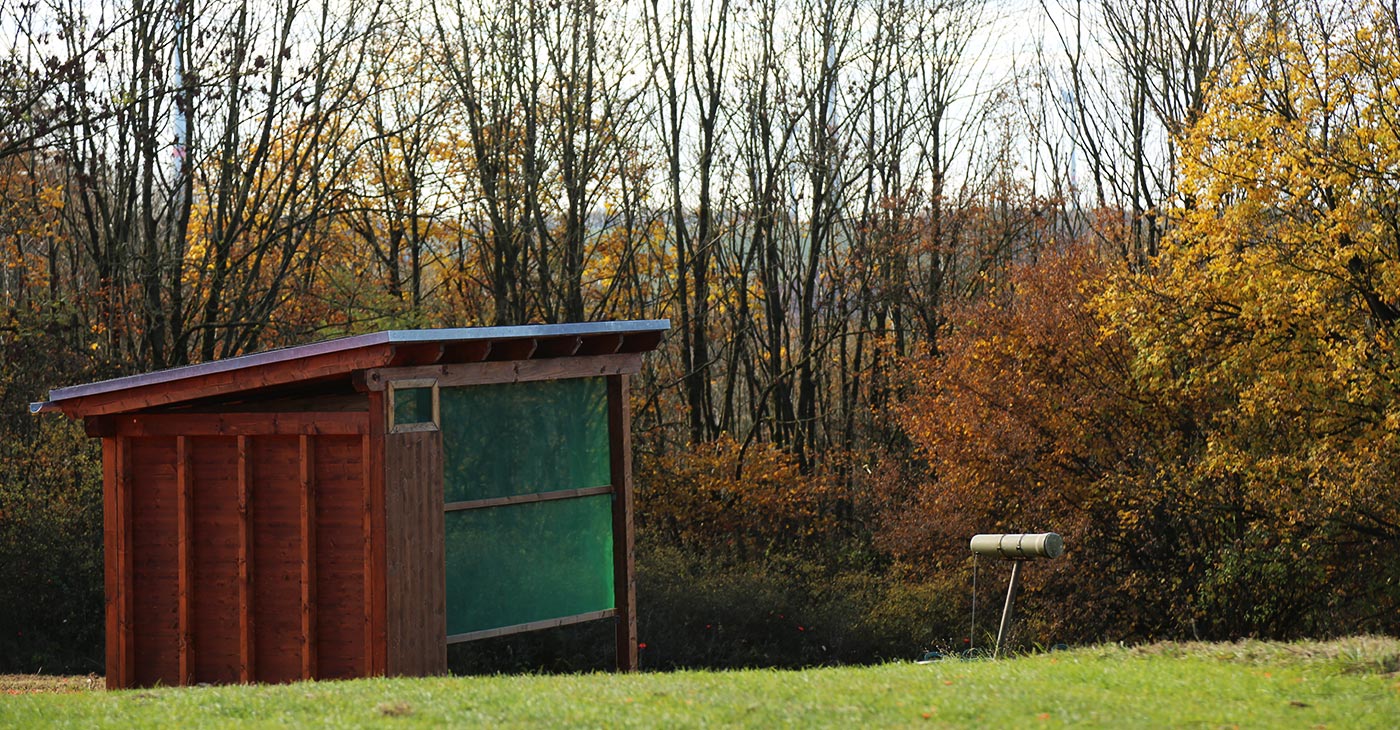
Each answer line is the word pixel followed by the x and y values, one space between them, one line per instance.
pixel 274 551
pixel 340 599
pixel 276 574
pixel 415 569
pixel 154 560
pixel 214 603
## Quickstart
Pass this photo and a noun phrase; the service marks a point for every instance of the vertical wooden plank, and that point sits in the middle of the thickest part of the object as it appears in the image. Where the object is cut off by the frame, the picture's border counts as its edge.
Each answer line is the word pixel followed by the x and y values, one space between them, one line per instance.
pixel 435 556
pixel 275 544
pixel 184 508
pixel 127 660
pixel 214 536
pixel 367 558
pixel 110 572
pixel 245 564
pixel 416 572
pixel 398 561
pixel 380 645
pixel 624 573
pixel 375 629
pixel 340 622
pixel 308 558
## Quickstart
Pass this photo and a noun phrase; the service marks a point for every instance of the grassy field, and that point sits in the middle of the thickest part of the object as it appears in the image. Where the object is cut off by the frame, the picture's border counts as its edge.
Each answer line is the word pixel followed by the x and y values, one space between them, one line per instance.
pixel 1340 684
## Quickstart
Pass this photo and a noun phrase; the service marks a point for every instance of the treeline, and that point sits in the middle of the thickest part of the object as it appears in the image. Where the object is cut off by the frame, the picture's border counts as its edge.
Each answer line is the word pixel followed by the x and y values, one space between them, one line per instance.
pixel 1137 284
pixel 799 188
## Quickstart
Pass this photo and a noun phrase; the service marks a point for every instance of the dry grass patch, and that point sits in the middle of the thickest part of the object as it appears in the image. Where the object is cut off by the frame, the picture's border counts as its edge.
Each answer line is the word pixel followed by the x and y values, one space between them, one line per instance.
pixel 24 684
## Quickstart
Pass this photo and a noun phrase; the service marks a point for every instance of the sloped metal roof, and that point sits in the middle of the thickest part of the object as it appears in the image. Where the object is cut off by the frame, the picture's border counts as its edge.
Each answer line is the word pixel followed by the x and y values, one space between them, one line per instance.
pixel 629 336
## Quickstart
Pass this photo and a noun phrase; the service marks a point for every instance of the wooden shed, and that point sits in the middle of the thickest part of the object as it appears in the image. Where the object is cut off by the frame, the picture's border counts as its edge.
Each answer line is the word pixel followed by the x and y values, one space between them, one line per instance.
pixel 348 508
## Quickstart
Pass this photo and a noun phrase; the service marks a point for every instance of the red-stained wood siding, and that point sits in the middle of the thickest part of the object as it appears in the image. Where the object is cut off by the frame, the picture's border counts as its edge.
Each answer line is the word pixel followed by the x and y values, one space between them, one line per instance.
pixel 214 603
pixel 276 596
pixel 415 554
pixel 154 560
pixel 303 613
pixel 340 595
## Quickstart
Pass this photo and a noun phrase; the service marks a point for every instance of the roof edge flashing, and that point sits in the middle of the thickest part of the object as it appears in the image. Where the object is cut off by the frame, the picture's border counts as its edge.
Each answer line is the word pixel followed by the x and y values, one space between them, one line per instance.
pixel 391 338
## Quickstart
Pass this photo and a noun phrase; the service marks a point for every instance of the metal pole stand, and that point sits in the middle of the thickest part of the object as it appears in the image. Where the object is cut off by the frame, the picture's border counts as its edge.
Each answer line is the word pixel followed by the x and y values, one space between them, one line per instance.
pixel 1006 612
pixel 1018 549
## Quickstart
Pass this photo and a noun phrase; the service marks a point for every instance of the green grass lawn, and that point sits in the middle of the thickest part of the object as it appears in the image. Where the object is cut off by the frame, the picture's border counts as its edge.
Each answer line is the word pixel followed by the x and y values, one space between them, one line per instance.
pixel 1340 684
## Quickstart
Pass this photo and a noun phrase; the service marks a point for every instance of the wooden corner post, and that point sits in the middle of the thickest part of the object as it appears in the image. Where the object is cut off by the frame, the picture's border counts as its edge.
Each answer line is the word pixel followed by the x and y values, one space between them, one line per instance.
pixel 624 566
pixel 116 538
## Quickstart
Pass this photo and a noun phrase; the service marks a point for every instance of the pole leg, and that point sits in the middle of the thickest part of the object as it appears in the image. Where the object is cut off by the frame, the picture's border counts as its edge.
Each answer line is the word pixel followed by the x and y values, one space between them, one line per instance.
pixel 1006 612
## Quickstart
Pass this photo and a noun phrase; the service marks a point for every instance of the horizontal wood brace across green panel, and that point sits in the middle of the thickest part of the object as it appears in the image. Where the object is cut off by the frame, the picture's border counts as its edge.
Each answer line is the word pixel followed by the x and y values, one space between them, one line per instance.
pixel 528 498
pixel 532 626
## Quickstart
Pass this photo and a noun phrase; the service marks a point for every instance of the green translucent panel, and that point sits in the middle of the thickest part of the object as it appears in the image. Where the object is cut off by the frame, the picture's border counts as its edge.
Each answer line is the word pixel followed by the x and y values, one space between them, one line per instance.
pixel 528 562
pixel 522 438
pixel 413 405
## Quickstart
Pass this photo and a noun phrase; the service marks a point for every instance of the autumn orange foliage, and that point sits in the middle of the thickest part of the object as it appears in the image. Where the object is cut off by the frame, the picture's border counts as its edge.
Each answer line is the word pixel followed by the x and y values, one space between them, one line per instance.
pixel 700 498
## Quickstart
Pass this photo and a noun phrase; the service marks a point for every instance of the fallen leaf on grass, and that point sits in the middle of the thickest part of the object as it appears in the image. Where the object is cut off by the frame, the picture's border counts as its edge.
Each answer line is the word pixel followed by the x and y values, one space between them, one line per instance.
pixel 1298 703
pixel 1043 716
pixel 394 709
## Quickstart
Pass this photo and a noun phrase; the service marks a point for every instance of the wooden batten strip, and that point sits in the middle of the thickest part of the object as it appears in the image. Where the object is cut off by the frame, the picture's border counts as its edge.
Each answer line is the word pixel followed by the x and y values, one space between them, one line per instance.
pixel 126 626
pixel 328 423
pixel 308 557
pixel 114 573
pixel 624 567
pixel 246 671
pixel 518 371
pixel 184 516
pixel 527 498
pixel 368 555
pixel 532 626
pixel 379 558
pixel 372 516
pixel 109 549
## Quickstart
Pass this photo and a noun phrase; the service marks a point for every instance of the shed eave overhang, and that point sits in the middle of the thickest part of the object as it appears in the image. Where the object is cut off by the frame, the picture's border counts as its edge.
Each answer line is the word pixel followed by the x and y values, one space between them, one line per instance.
pixel 377 348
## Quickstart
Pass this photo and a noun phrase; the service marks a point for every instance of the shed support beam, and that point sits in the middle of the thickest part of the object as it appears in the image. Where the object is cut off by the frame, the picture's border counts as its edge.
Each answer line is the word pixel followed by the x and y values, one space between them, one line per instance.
pixel 184 509
pixel 116 536
pixel 308 557
pixel 246 672
pixel 624 573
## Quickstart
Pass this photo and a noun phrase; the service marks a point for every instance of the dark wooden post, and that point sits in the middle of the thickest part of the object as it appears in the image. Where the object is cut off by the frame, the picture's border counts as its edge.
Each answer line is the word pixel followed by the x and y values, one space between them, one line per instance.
pixel 116 533
pixel 376 629
pixel 184 517
pixel 624 572
pixel 307 557
pixel 246 671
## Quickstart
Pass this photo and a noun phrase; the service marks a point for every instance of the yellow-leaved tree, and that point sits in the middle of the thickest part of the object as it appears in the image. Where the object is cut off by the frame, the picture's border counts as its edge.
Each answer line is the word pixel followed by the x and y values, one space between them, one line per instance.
pixel 1270 323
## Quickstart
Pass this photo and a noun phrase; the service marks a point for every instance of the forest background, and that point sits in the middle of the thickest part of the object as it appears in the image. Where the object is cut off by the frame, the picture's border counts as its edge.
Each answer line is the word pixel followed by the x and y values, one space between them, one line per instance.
pixel 1128 270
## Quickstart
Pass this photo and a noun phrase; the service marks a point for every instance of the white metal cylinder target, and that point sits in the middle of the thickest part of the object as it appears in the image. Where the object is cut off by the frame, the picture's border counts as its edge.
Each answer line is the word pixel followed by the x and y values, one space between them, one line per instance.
pixel 1019 546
